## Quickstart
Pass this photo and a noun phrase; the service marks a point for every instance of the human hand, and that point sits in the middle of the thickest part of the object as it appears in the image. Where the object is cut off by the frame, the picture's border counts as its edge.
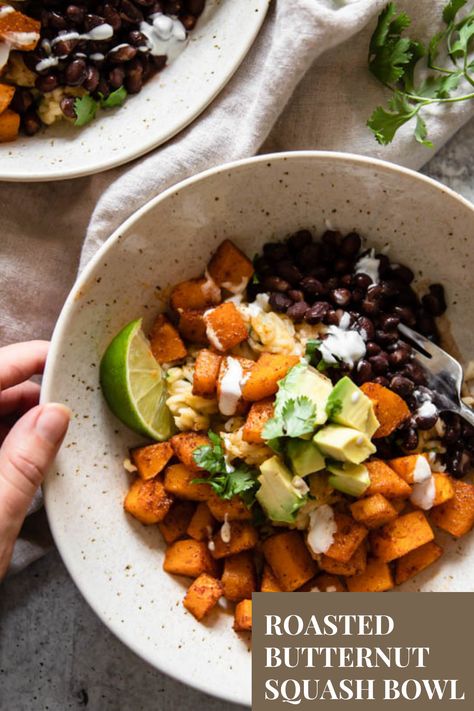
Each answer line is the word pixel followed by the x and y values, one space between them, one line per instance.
pixel 30 436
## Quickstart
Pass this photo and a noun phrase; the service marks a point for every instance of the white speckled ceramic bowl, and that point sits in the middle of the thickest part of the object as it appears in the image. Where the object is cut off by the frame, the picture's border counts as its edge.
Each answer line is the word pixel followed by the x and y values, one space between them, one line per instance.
pixel 167 103
pixel 115 561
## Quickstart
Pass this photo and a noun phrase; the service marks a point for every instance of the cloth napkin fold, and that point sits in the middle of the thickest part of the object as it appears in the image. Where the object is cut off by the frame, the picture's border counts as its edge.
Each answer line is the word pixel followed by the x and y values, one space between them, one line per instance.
pixel 304 84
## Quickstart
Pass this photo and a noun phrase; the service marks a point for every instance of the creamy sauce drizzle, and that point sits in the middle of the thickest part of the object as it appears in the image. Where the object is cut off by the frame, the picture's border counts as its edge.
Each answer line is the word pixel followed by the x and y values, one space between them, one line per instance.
pixel 231 388
pixel 342 344
pixel 322 528
pixel 369 265
pixel 166 36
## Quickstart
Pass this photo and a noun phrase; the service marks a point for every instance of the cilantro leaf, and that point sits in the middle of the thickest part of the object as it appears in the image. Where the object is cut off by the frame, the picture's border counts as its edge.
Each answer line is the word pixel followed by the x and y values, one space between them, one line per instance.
pixel 333 408
pixel 451 10
pixel 299 416
pixel 85 108
pixel 421 132
pixel 464 36
pixel 388 25
pixel 115 98
pixel 389 63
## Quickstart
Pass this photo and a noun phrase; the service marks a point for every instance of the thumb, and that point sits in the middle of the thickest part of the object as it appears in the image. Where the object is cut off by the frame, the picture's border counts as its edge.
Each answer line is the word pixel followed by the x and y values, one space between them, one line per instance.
pixel 26 454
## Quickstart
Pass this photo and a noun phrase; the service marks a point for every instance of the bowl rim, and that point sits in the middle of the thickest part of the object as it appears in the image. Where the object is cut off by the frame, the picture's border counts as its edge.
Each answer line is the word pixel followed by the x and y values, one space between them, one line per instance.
pixel 60 332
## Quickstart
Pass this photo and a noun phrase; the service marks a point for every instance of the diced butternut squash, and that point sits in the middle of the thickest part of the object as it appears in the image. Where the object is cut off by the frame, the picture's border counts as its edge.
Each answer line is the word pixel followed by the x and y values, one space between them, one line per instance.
pixel 267 371
pixel 192 327
pixel 6 95
pixel 444 488
pixel 376 577
pixel 246 366
pixel 417 560
pixel 229 267
pixel 225 327
pixel 356 563
pixel 258 416
pixel 347 539
pixel 165 341
pixel 411 468
pixel 401 536
pixel 383 480
pixel 201 526
pixel 456 516
pixel 374 511
pixel 390 410
pixel 269 582
pixel 243 616
pixel 180 481
pixel 176 521
pixel 206 372
pixel 184 445
pixel 329 583
pixel 151 460
pixel 9 125
pixel 194 295
pixel 189 557
pixel 202 595
pixel 289 559
pixel 148 501
pixel 235 509
pixel 243 537
pixel 19 31
pixel 239 579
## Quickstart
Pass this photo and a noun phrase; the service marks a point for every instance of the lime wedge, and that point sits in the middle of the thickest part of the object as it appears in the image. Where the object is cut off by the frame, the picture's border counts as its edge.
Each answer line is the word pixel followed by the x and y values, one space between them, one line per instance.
pixel 133 384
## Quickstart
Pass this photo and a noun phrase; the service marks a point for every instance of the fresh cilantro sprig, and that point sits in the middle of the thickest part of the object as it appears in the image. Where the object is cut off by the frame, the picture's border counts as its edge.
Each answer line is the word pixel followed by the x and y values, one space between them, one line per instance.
pixel 226 480
pixel 396 61
pixel 297 418
pixel 315 357
pixel 85 107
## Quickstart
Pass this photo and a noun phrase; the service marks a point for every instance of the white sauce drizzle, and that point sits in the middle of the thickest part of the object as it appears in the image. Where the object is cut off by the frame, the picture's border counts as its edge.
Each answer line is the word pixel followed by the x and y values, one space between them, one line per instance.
pixel 97 34
pixel 6 9
pixel 212 336
pixel 422 470
pixel 342 344
pixel 427 409
pixel 226 530
pixel 423 494
pixel 97 57
pixel 166 36
pixel 230 390
pixel 300 485
pixel 236 288
pixel 322 528
pixel 369 265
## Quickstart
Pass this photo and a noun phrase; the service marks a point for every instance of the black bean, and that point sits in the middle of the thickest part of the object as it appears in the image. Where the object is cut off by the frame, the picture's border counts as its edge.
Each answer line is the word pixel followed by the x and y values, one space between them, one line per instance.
pixel 414 371
pixel 457 462
pixel 103 89
pixel 296 295
pixel 116 77
pixel 76 14
pixel 315 314
pixel 262 267
pixel 312 286
pixel 332 238
pixel 351 244
pixel 195 6
pixel 30 122
pixel 435 302
pixel 297 310
pixel 113 18
pixel 365 325
pixel 362 281
pixel 57 20
pixel 405 314
pixel 173 7
pixel 340 297
pixel 130 13
pixel 379 363
pixel 288 271
pixel 400 354
pixel 300 239
pixel 389 288
pixel 46 83
pixel 332 318
pixel 331 283
pixel 426 324
pixel 407 297
pixel 275 283
pixel 137 39
pixel 364 371
pixel 357 296
pixel 402 273
pixel 346 280
pixel 275 251
pixel 92 79
pixel 328 253
pixel 410 439
pixel 64 47
pixel 385 338
pixel 388 321
pixel 381 380
pixel 342 266
pixel 453 430
pixel 320 272
pixel 22 100
pixel 372 348
pixel 189 22
pixel 425 422
pixel 402 386
pixel 308 256
pixel 279 302
pixel 75 72
pixel 91 21
pixel 67 106
pixel 369 307
pixel 384 265
pixel 122 53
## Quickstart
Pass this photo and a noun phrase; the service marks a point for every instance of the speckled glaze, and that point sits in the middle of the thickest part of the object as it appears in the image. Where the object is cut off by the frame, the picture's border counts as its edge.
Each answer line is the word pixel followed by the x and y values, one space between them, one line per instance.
pixel 167 103
pixel 114 560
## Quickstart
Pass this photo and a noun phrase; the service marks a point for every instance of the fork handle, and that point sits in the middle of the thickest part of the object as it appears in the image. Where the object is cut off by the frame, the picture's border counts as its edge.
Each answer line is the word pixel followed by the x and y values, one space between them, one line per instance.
pixel 467 413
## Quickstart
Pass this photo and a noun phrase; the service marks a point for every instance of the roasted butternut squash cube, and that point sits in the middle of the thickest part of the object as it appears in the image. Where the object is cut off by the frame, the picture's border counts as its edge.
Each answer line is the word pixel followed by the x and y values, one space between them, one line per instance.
pixel 267 371
pixel 19 31
pixel 243 537
pixel 323 583
pixel 390 410
pixel 376 577
pixel 239 578
pixel 444 488
pixel 269 583
pixel 202 524
pixel 176 521
pixel 192 327
pixel 414 467
pixel 180 481
pixel 194 295
pixel 165 341
pixel 401 536
pixel 9 125
pixel 152 459
pixel 374 511
pixel 206 372
pixel 347 539
pixel 202 595
pixel 230 267
pixel 243 616
pixel 259 414
pixel 235 509
pixel 383 480
pixel 456 516
pixel 416 560
pixel 225 327
pixel 356 563
pixel 6 95
pixel 184 445
pixel 190 558
pixel 148 501
pixel 289 559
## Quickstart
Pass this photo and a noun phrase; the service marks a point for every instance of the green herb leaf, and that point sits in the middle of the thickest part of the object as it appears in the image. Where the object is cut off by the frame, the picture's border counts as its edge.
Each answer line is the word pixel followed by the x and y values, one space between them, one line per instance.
pixel 451 10
pixel 299 416
pixel 333 408
pixel 464 36
pixel 85 108
pixel 115 98
pixel 421 132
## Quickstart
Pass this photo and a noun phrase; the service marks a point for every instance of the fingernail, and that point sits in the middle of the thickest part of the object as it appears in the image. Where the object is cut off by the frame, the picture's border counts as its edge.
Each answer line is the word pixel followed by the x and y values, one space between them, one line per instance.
pixel 52 422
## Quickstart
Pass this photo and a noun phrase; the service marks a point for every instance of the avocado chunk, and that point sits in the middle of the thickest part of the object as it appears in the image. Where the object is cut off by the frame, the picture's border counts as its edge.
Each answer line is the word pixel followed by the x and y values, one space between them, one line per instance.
pixel 277 496
pixel 352 479
pixel 348 405
pixel 305 457
pixel 344 443
pixel 303 380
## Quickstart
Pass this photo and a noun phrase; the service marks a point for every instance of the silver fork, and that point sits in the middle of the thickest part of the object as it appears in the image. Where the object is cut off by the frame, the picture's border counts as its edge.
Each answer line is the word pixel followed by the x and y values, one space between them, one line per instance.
pixel 444 374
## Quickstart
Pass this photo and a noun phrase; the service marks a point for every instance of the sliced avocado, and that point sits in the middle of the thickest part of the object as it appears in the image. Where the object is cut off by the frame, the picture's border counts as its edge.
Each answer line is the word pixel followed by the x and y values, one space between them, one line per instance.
pixel 304 456
pixel 348 405
pixel 352 479
pixel 277 496
pixel 307 381
pixel 344 443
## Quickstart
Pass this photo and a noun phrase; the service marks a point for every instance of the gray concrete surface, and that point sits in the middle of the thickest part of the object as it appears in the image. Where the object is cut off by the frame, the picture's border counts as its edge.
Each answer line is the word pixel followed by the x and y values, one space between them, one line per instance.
pixel 56 655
